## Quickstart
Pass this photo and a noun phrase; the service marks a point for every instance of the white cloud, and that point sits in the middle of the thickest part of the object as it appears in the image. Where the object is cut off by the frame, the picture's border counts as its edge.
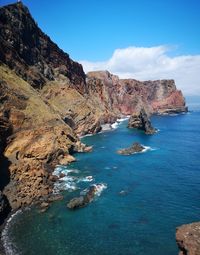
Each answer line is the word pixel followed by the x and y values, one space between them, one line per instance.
pixel 151 64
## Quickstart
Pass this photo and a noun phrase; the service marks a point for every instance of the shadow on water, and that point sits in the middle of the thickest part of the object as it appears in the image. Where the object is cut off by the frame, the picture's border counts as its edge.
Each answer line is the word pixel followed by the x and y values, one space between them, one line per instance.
pixel 4 172
pixel 5 208
pixel 5 131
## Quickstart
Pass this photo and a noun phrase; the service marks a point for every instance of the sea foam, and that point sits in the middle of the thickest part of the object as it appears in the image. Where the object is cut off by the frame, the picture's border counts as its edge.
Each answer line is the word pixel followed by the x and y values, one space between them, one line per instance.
pixel 99 188
pixel 9 246
pixel 70 179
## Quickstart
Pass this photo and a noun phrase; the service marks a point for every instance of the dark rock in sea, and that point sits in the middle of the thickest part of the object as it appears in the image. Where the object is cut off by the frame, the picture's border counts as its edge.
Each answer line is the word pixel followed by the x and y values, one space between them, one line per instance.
pixel 141 121
pixel 82 201
pixel 62 175
pixel 76 202
pixel 136 147
pixel 188 239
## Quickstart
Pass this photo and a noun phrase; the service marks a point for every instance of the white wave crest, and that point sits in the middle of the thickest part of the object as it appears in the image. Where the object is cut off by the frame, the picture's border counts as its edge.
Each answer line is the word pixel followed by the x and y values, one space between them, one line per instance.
pixel 115 125
pixel 68 182
pixel 10 248
pixel 106 127
pixel 99 188
pixel 147 148
pixel 86 179
pixel 82 136
pixel 123 119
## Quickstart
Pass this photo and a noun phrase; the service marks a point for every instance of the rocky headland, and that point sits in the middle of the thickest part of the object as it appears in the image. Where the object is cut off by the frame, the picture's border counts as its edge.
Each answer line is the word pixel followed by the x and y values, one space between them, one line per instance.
pixel 47 102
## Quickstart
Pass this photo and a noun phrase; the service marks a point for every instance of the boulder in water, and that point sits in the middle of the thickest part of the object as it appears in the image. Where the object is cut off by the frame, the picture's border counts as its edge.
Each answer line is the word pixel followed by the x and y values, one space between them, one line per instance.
pixel 82 201
pixel 136 147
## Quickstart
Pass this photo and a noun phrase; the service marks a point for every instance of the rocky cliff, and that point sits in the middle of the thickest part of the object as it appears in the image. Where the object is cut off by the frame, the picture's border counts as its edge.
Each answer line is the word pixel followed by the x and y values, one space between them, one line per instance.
pixel 31 53
pixel 37 137
pixel 128 96
pixel 46 101
pixel 188 239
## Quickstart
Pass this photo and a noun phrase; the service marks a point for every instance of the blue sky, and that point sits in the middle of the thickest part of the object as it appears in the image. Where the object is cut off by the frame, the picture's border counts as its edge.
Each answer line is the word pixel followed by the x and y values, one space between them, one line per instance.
pixel 92 31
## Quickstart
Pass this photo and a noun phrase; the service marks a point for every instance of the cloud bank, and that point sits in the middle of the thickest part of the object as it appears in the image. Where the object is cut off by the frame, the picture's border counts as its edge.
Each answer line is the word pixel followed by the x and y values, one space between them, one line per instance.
pixel 152 63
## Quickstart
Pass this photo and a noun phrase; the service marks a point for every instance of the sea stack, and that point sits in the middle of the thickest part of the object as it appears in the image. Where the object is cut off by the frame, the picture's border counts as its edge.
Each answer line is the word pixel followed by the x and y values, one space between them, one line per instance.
pixel 47 102
pixel 135 148
pixel 141 121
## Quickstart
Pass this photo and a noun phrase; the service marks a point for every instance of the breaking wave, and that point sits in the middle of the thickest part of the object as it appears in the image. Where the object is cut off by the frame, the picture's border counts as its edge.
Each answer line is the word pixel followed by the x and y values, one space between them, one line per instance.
pixel 68 179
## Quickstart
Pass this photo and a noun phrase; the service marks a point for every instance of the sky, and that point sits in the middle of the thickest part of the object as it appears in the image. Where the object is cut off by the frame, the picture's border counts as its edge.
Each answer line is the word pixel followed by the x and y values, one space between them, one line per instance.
pixel 141 39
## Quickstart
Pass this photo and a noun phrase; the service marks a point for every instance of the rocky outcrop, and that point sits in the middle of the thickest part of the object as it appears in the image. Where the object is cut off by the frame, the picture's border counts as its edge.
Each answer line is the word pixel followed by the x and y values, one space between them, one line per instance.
pixel 141 121
pixel 135 148
pixel 188 239
pixel 37 139
pixel 82 201
pixel 46 101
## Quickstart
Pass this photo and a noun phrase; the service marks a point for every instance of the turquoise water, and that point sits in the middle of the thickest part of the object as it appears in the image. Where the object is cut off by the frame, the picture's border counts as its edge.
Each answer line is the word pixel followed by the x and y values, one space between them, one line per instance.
pixel 161 190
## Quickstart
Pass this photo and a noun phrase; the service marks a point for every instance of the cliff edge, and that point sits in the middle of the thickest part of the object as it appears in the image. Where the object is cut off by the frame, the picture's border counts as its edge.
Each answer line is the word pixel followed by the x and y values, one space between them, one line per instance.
pixel 47 101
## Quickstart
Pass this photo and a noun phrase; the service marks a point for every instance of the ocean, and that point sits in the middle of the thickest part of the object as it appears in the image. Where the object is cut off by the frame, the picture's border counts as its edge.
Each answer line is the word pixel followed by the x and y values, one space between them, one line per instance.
pixel 144 196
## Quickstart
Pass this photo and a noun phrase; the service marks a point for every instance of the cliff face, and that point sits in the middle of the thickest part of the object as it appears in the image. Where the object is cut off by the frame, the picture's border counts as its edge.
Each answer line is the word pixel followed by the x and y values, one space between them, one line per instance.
pixel 38 137
pixel 31 53
pixel 187 238
pixel 46 101
pixel 128 96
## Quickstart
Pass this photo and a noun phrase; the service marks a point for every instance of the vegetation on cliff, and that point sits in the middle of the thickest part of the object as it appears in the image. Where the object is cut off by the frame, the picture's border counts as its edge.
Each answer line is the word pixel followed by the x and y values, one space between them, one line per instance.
pixel 47 101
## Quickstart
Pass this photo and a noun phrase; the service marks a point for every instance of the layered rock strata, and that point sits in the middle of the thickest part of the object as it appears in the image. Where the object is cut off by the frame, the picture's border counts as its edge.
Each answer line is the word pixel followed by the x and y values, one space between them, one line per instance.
pixel 38 139
pixel 46 101
pixel 31 53
pixel 128 96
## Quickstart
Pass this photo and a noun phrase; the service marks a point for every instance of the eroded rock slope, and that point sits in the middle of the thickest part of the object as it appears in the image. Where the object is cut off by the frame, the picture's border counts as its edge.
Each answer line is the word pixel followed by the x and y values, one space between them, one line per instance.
pixel 46 101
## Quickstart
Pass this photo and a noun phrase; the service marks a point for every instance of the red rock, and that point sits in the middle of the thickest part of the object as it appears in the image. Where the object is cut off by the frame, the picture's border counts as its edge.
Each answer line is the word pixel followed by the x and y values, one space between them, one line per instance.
pixel 46 101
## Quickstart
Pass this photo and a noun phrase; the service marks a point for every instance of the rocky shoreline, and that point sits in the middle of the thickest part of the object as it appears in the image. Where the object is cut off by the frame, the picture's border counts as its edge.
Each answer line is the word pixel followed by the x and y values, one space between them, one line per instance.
pixel 188 239
pixel 47 102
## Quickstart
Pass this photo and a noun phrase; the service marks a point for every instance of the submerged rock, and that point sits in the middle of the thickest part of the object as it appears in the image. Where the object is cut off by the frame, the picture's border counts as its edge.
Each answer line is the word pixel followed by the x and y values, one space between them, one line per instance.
pixel 188 239
pixel 136 147
pixel 44 206
pixel 141 121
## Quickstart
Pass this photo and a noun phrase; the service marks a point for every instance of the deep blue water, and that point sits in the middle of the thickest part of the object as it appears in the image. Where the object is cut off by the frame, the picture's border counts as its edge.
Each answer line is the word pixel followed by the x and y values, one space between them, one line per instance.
pixel 162 190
